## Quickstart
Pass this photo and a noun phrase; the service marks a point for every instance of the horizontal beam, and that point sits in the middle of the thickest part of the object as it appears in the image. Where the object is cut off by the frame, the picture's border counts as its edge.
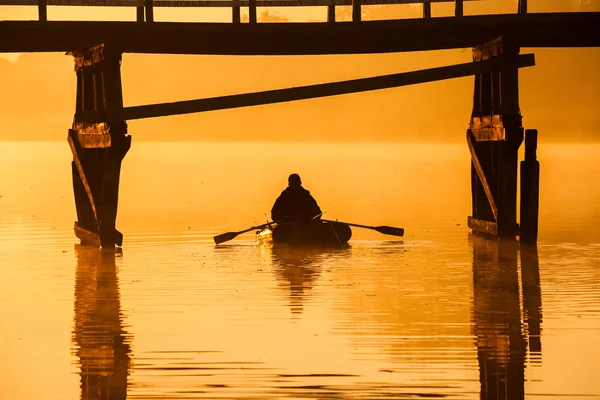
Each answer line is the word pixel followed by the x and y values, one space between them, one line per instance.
pixel 300 38
pixel 322 90
pixel 481 226
pixel 212 3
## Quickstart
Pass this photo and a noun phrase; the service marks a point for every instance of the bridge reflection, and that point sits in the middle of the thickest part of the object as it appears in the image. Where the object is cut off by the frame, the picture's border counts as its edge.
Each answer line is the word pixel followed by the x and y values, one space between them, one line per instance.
pixel 504 332
pixel 99 338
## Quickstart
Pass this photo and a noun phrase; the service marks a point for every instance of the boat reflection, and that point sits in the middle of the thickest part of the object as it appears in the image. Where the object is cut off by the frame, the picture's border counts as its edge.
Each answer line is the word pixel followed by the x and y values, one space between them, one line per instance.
pixel 298 268
pixel 99 338
pixel 500 325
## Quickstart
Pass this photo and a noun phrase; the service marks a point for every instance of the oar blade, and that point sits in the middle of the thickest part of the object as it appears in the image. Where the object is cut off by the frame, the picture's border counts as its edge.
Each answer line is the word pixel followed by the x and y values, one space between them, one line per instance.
pixel 224 237
pixel 390 230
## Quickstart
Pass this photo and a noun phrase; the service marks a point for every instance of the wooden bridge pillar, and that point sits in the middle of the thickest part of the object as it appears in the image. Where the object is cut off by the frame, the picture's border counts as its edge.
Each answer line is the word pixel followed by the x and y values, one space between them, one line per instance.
pixel 98 141
pixel 494 138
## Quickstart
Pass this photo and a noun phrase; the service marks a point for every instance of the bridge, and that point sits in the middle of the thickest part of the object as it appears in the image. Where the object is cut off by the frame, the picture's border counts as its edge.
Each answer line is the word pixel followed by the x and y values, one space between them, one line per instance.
pixel 99 137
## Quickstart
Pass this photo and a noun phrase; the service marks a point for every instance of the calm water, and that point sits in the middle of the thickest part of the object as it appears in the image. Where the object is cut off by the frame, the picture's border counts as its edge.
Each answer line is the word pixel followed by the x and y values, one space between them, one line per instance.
pixel 440 314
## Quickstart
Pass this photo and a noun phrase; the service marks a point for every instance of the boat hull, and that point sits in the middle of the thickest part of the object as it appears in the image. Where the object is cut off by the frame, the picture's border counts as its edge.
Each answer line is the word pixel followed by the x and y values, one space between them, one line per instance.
pixel 306 233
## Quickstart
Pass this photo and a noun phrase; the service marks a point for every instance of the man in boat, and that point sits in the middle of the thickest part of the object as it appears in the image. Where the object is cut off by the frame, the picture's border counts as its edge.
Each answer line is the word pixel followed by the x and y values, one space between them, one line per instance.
pixel 295 203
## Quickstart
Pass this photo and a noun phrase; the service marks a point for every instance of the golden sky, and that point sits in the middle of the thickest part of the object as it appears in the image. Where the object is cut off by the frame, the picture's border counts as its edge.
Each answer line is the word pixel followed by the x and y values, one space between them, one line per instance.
pixel 559 96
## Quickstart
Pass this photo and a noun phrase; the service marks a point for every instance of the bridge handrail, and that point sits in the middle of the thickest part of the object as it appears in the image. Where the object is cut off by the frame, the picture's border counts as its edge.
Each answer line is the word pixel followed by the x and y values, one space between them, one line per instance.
pixel 211 3
pixel 145 7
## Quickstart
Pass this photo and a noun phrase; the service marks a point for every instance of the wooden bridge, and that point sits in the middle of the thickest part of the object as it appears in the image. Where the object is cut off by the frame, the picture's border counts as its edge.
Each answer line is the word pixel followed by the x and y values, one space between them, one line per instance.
pixel 99 138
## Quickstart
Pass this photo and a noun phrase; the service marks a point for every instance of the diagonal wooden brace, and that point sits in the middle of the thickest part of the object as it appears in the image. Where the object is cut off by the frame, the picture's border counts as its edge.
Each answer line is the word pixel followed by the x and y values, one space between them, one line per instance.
pixel 77 152
pixel 481 175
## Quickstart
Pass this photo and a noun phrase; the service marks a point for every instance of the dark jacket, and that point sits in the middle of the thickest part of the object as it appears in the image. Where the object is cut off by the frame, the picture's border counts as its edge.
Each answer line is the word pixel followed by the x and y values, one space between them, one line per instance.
pixel 295 204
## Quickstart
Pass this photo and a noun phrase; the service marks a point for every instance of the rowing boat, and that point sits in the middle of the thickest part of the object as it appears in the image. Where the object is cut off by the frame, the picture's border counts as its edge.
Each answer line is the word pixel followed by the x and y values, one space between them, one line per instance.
pixel 323 233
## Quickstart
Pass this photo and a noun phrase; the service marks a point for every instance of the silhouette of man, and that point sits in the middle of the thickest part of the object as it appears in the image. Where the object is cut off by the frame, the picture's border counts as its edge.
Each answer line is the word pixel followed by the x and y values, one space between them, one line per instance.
pixel 295 203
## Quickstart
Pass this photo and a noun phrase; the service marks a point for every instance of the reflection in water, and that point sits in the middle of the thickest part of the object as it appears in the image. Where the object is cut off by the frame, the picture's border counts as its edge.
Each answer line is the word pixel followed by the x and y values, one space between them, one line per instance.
pixel 100 341
pixel 299 267
pixel 532 299
pixel 498 323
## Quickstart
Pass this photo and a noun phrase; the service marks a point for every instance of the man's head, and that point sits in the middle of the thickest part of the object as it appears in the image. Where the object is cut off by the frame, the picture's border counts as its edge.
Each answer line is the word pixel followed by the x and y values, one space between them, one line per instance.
pixel 294 180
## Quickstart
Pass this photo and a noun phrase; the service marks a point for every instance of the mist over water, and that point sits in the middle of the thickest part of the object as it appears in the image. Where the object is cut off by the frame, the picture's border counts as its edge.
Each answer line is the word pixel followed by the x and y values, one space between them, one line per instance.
pixel 438 313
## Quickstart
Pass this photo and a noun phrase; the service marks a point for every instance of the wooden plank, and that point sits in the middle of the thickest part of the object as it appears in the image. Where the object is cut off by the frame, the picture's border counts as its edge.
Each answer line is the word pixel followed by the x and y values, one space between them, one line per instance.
pixel 330 13
pixel 522 6
pixel 86 237
pixel 76 150
pixel 290 38
pixel 458 8
pixel 478 225
pixel 356 10
pixel 140 13
pixel 488 128
pixel 93 238
pixel 92 141
pixel 481 175
pixel 252 11
pixel 149 5
pixel 320 90
pixel 236 16
pixel 42 11
pixel 427 9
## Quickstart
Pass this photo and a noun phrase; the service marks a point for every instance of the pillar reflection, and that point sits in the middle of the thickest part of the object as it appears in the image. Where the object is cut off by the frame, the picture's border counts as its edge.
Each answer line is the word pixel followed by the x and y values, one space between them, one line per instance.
pixel 99 339
pixel 500 339
pixel 532 299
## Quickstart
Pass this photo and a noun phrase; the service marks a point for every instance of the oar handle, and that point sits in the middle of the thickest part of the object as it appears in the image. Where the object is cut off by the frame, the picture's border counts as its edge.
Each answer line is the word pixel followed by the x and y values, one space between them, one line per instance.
pixel 351 224
pixel 386 230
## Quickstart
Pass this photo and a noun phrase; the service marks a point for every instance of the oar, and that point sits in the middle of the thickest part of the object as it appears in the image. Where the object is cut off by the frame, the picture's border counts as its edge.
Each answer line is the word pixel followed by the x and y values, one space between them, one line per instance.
pixel 386 230
pixel 224 237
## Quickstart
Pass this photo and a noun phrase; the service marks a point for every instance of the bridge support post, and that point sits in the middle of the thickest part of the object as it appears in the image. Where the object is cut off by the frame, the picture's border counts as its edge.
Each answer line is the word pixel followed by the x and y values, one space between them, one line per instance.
pixel 98 140
pixel 494 138
pixel 530 189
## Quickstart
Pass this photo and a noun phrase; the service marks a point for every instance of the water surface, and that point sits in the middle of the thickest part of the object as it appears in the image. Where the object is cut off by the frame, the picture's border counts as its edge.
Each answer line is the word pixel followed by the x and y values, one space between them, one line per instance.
pixel 439 313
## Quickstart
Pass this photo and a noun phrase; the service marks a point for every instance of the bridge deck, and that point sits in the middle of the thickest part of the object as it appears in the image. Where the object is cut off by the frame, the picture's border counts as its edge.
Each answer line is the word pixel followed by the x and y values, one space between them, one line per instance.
pixel 527 30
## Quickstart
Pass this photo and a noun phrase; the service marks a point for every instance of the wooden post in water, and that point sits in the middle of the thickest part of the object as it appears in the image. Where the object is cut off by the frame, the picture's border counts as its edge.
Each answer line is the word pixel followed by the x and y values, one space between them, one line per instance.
pixel 252 11
pixel 149 11
pixel 530 189
pixel 426 9
pixel 356 10
pixel 458 8
pixel 99 142
pixel 42 10
pixel 494 138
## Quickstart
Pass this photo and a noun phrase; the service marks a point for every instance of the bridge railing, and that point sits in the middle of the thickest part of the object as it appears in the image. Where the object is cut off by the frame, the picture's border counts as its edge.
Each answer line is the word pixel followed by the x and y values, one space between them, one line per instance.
pixel 145 8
